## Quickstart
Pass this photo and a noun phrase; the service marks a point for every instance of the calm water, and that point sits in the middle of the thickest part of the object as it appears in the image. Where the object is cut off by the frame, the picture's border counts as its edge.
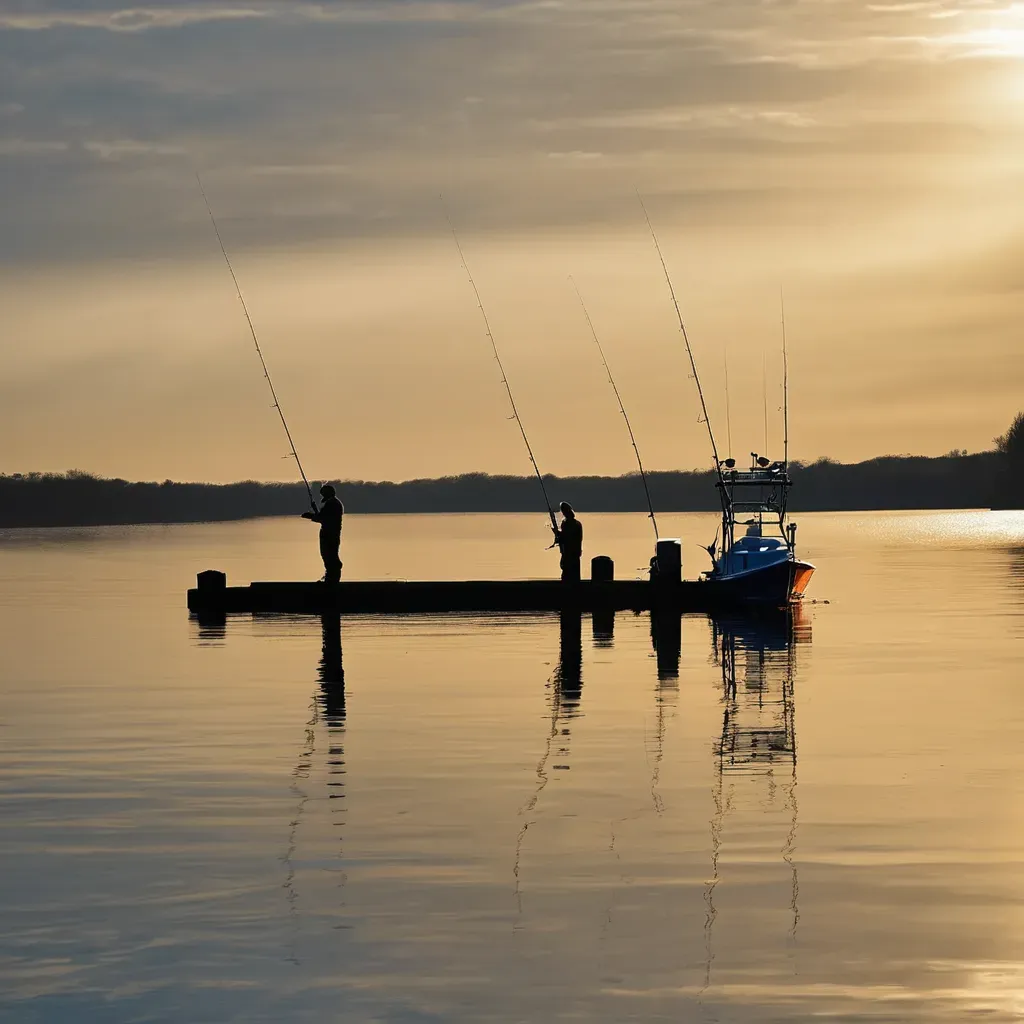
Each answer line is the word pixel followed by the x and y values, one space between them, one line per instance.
pixel 517 818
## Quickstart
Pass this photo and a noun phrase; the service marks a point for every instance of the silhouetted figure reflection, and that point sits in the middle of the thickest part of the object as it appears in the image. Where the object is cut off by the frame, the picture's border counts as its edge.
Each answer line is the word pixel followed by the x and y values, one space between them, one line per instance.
pixel 327 707
pixel 667 640
pixel 329 516
pixel 569 674
pixel 566 689
pixel 332 672
pixel 331 701
pixel 569 538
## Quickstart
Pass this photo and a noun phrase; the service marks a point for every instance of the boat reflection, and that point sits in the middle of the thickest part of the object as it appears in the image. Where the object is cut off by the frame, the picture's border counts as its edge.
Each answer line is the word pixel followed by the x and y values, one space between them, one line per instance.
pixel 757 660
pixel 756 750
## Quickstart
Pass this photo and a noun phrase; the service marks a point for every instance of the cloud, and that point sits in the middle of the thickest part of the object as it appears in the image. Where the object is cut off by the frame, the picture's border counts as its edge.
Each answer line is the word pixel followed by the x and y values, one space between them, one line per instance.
pixel 834 145
pixel 123 149
pixel 31 147
pixel 124 19
pixel 115 17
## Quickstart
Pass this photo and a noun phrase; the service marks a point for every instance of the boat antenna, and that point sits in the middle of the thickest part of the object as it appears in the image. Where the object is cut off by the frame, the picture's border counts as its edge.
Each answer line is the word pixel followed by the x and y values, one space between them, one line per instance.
pixel 686 339
pixel 764 393
pixel 785 386
pixel 728 414
pixel 504 376
pixel 622 408
pixel 256 342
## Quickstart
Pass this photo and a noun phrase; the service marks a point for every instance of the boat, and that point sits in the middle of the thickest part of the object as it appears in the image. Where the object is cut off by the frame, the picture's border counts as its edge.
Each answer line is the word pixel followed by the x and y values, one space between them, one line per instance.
pixel 755 568
pixel 756 562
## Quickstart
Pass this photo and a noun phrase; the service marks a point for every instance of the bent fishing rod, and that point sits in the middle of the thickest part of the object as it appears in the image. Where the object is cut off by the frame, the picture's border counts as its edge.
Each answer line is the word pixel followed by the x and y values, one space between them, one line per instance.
pixel 686 339
pixel 622 408
pixel 256 342
pixel 504 376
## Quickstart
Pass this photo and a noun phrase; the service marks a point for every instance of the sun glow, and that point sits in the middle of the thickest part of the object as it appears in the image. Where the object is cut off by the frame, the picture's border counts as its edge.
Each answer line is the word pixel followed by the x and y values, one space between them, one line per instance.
pixel 1002 36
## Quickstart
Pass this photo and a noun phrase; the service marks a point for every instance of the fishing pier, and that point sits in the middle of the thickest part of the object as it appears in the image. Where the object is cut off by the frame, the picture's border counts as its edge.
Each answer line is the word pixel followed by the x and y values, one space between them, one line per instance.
pixel 666 591
pixel 400 597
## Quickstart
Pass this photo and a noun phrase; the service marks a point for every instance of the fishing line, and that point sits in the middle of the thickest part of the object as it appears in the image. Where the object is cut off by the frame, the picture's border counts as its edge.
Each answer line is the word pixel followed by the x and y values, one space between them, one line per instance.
pixel 256 342
pixel 622 408
pixel 504 377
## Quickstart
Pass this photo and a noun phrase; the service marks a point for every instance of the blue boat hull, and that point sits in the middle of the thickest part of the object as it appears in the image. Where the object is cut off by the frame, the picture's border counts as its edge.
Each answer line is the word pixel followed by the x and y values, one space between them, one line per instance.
pixel 774 585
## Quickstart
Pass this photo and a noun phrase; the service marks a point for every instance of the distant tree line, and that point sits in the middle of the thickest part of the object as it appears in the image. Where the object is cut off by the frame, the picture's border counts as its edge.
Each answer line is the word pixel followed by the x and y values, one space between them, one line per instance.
pixel 1009 482
pixel 955 480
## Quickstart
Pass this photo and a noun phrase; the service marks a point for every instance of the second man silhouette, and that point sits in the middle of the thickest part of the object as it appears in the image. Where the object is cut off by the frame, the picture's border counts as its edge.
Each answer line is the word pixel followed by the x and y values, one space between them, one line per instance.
pixel 329 516
pixel 569 538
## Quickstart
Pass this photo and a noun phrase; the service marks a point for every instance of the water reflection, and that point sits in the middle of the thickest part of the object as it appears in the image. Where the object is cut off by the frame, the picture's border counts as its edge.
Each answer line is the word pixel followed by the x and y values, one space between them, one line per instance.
pixel 211 628
pixel 757 659
pixel 330 702
pixel 332 671
pixel 666 639
pixel 756 751
pixel 603 625
pixel 565 699
pixel 327 706
pixel 568 679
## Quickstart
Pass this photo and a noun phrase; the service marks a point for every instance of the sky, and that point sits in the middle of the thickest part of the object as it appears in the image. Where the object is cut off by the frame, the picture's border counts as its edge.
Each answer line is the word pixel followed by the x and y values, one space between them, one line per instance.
pixel 863 161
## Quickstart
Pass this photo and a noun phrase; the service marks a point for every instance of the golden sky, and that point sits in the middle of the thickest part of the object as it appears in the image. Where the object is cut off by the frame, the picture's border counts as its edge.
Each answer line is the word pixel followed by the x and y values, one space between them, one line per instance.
pixel 866 158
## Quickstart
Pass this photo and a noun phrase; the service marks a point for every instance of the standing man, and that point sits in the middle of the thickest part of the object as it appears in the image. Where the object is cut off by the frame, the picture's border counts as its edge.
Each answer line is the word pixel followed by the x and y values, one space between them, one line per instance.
pixel 329 517
pixel 569 538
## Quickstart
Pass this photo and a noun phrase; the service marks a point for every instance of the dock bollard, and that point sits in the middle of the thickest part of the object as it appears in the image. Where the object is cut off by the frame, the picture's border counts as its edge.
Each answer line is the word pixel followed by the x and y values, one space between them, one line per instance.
pixel 602 569
pixel 670 561
pixel 210 581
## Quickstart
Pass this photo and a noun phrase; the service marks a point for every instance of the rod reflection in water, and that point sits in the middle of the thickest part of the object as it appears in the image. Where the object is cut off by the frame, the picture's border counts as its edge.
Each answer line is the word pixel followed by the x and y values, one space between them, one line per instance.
pixel 757 744
pixel 564 700
pixel 327 708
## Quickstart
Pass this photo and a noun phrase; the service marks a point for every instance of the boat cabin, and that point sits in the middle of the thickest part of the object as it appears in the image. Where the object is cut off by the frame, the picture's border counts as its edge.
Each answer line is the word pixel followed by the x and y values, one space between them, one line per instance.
pixel 755 534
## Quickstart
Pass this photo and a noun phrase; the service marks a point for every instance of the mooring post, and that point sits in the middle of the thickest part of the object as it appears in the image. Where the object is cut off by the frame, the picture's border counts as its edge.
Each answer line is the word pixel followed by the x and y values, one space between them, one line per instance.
pixel 210 581
pixel 669 553
pixel 602 569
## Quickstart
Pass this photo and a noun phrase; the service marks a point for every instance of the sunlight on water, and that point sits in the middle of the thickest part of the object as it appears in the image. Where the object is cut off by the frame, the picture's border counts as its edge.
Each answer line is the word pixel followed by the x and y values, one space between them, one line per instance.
pixel 527 817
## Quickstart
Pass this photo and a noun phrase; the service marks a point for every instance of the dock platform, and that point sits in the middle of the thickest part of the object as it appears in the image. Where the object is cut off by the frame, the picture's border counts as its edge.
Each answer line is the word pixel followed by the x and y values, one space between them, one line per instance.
pixel 399 597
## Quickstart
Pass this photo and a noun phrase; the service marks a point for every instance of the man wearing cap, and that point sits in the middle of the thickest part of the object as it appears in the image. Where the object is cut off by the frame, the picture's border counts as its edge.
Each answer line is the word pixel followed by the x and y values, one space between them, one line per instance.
pixel 329 517
pixel 569 538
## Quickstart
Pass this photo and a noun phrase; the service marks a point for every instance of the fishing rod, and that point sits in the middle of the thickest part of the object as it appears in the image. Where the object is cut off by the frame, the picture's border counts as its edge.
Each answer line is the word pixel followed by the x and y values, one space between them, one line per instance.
pixel 764 392
pixel 256 342
pixel 504 377
pixel 622 408
pixel 686 339
pixel 728 413
pixel 785 386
